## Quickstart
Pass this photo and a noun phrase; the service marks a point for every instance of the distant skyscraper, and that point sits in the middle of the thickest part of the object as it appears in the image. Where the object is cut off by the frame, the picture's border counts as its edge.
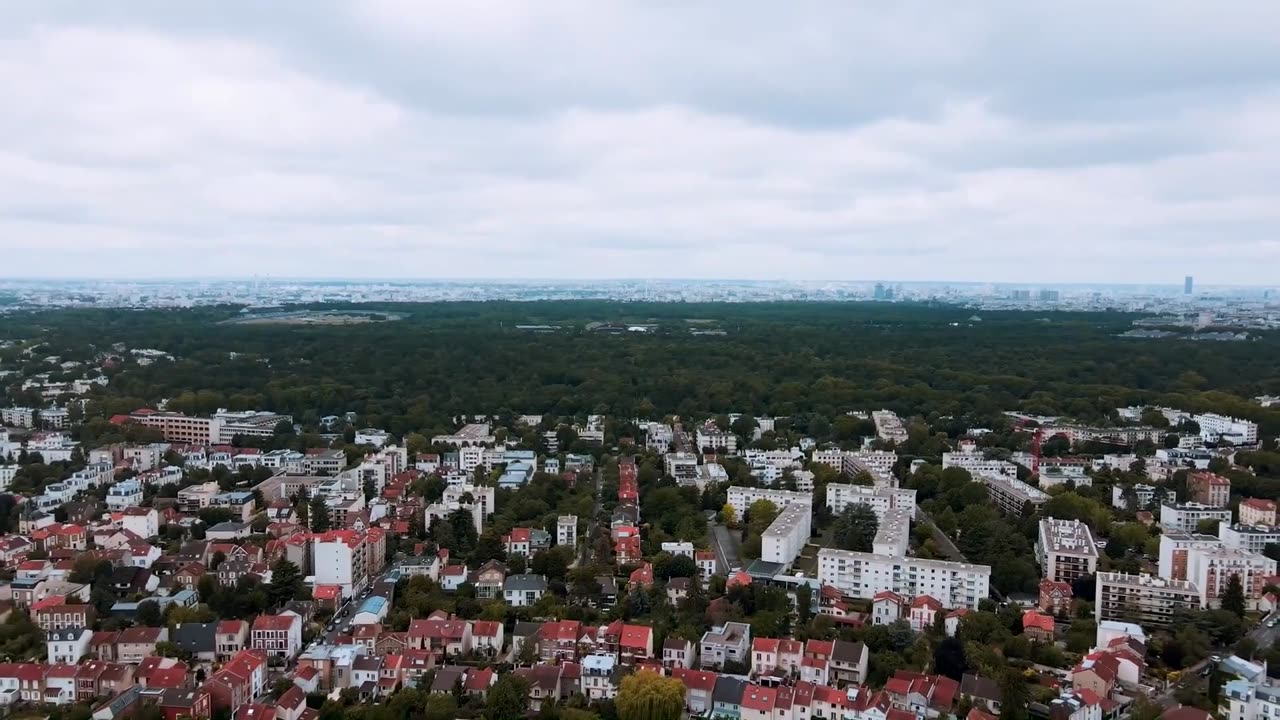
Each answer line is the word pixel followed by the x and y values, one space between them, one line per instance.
pixel 1186 285
pixel 879 291
pixel 1048 296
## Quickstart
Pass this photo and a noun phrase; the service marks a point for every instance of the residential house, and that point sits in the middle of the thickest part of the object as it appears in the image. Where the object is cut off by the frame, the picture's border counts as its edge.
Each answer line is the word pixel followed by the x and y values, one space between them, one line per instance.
pixel 601 676
pixel 161 672
pixel 54 614
pixel 442 636
pixel 197 639
pixel 848 662
pixel 951 623
pixel 773 656
pixel 925 696
pixel 232 637
pixel 730 643
pixel 487 638
pixel 176 703
pixel 240 680
pixel 699 686
pixel 982 693
pixel 1037 626
pixel 278 636
pixel 726 699
pixel 886 607
pixel 563 640
pixel 544 684
pixel 135 643
pixel 677 653
pixel 1098 672
pixel 924 609
pixel 490 579
pixel 1055 597
pixel 68 645
pixel 524 590
pixel 631 643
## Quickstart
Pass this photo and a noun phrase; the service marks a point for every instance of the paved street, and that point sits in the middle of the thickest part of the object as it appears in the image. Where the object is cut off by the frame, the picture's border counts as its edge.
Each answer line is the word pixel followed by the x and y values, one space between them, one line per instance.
pixel 342 624
pixel 587 550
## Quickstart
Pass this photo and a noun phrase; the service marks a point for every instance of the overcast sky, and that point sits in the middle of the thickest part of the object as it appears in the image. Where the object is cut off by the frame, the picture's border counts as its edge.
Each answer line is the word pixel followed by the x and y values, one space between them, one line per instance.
pixel 1006 140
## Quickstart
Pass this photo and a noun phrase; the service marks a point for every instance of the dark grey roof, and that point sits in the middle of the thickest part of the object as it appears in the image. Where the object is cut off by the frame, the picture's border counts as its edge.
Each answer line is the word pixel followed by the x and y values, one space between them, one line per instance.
pixel 526 629
pixel 980 687
pixel 446 678
pixel 525 582
pixel 728 690
pixel 608 584
pixel 228 526
pixel 196 637
pixel 66 633
pixel 847 652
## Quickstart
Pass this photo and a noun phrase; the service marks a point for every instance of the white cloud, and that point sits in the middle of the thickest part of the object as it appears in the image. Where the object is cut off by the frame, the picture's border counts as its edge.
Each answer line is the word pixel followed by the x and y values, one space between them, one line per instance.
pixel 638 139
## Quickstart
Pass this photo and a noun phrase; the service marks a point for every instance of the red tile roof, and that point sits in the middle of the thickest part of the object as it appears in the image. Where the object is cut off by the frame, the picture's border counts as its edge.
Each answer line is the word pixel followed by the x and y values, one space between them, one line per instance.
pixel 696 679
pixel 761 699
pixel 1037 620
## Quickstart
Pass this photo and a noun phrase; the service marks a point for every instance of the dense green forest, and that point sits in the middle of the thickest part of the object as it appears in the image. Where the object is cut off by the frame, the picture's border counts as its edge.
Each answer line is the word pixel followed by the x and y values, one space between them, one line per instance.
pixel 794 359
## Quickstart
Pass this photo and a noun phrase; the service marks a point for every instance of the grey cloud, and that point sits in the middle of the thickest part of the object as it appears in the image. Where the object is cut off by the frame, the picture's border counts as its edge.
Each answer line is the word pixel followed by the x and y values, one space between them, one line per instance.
pixel 824 140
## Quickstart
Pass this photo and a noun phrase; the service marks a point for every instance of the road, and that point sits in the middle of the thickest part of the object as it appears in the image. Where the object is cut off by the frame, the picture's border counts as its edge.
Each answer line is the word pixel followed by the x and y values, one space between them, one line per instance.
pixel 588 542
pixel 343 624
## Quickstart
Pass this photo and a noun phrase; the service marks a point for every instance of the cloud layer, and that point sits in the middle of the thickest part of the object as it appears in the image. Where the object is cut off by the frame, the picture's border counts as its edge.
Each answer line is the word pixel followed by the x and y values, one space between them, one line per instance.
pixel 569 139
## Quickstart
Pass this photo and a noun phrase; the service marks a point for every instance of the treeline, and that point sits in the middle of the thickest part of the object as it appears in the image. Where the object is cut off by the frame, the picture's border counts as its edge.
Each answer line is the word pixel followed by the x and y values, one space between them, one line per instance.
pixel 790 359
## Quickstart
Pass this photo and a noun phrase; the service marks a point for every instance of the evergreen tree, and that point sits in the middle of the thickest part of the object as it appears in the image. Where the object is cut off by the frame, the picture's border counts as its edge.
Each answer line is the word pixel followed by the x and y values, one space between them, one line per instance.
pixel 1233 596
pixel 319 512
pixel 286 583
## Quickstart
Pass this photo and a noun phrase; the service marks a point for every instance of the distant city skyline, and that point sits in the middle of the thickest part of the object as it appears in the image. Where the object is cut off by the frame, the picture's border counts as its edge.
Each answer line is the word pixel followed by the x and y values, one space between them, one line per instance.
pixel 376 139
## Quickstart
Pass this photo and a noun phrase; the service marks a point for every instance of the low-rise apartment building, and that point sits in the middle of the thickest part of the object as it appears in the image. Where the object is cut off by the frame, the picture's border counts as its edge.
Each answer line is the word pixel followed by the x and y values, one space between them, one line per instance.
pixel 862 575
pixel 1187 516
pixel 1143 599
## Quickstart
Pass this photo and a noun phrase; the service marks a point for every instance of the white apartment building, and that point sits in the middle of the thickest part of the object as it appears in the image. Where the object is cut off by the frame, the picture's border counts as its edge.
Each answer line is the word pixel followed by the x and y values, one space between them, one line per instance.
pixel 567 530
pixel 1175 551
pixel 1255 511
pixel 7 474
pixel 467 436
pixel 1215 427
pixel 893 534
pixel 23 417
pixel 783 540
pixel 1142 495
pixel 879 462
pixel 1066 550
pixel 658 437
pixel 1210 569
pixel 832 458
pixel 971 458
pixel 250 423
pixel 710 437
pixel 741 497
pixel 1143 599
pixel 880 500
pixel 1187 516
pixel 1011 495
pixel 862 575
pixel 679 548
pixel 681 466
pixel 338 558
pixel 1245 700
pixel 889 426
pixel 1252 538
pixel 123 495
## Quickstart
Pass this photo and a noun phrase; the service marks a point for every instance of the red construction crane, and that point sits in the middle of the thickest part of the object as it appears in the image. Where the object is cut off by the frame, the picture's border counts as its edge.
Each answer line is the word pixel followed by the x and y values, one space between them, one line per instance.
pixel 1036 438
